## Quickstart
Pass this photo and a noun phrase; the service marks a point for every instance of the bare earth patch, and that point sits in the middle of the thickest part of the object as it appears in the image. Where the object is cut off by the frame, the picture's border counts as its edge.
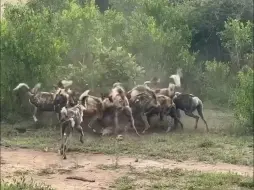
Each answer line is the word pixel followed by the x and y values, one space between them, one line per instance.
pixel 49 167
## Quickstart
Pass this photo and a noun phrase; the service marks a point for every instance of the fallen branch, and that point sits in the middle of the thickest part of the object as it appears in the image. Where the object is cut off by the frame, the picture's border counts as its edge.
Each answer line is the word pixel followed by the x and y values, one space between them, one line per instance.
pixel 80 178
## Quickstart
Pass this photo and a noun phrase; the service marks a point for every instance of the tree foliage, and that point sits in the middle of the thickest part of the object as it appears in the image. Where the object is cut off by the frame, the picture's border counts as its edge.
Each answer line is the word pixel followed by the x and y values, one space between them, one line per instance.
pixel 44 41
pixel 243 99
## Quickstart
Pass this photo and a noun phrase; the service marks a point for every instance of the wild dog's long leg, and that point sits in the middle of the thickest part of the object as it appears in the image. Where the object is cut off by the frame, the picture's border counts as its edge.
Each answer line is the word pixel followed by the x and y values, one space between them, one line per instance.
pixel 174 113
pixel 192 115
pixel 144 118
pixel 128 113
pixel 176 121
pixel 58 116
pixel 161 116
pixel 169 120
pixel 62 131
pixel 80 130
pixel 178 114
pixel 116 122
pixel 34 115
pixel 200 112
pixel 67 136
pixel 90 124
pixel 101 122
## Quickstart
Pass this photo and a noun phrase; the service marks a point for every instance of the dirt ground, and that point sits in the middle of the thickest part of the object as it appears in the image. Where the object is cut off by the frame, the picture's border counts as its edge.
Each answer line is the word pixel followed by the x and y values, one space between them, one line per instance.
pixel 48 167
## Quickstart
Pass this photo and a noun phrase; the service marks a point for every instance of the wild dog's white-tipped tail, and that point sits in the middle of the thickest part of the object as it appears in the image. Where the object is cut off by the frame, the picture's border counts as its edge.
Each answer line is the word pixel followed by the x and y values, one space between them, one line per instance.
pixel 66 83
pixel 84 94
pixel 147 82
pixel 176 79
pixel 38 85
pixel 20 85
pixel 179 72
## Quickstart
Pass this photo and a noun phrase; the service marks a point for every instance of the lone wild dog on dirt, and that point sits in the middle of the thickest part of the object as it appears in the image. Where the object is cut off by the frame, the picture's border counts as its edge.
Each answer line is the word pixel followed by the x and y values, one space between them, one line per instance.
pixel 70 118
pixel 189 103
pixel 42 101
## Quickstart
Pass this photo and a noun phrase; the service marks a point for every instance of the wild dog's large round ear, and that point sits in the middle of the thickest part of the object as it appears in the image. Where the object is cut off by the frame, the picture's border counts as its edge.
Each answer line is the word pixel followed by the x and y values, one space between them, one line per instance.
pixel 147 82
pixel 179 72
pixel 65 83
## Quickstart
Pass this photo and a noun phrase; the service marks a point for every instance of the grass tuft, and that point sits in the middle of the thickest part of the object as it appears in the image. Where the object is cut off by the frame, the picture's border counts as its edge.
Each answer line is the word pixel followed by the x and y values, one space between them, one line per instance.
pixel 23 184
pixel 182 179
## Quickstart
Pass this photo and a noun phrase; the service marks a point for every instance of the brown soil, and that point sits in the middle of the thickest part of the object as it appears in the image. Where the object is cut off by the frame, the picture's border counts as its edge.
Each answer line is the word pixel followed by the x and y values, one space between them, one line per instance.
pixel 48 167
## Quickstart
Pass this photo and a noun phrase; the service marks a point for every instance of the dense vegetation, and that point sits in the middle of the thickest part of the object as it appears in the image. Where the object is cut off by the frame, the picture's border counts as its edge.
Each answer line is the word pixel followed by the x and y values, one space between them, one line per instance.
pixel 133 40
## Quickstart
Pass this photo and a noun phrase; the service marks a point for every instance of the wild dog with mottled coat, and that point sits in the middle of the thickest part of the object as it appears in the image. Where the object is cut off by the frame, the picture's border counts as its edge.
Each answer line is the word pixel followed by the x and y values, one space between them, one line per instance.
pixel 71 118
pixel 118 97
pixel 66 97
pixel 143 101
pixel 94 107
pixel 168 108
pixel 189 103
pixel 42 101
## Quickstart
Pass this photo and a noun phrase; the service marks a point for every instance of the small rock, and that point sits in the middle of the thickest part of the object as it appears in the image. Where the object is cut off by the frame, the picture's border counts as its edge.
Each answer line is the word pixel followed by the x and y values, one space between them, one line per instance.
pixel 136 160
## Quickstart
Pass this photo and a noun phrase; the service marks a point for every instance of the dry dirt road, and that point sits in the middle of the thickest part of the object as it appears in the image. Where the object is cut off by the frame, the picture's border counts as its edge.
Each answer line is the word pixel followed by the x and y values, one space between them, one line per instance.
pixel 48 167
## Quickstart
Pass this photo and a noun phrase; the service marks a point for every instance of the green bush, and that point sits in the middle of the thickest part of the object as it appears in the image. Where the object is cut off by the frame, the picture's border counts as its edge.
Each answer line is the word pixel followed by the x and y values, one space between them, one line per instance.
pixel 216 83
pixel 243 99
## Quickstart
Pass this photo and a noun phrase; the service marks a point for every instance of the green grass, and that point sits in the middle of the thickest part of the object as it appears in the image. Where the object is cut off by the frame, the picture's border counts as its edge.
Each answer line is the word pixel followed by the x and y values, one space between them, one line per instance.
pixel 23 184
pixel 217 146
pixel 178 179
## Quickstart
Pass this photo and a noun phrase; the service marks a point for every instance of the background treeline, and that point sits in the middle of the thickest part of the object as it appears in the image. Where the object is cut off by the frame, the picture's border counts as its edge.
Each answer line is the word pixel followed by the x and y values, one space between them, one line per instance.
pixel 100 42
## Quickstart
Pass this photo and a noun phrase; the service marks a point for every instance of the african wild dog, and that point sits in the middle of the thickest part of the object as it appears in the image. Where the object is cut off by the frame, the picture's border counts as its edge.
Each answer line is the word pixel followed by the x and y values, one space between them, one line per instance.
pixel 143 101
pixel 167 108
pixel 189 103
pixel 94 108
pixel 42 101
pixel 70 118
pixel 117 96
